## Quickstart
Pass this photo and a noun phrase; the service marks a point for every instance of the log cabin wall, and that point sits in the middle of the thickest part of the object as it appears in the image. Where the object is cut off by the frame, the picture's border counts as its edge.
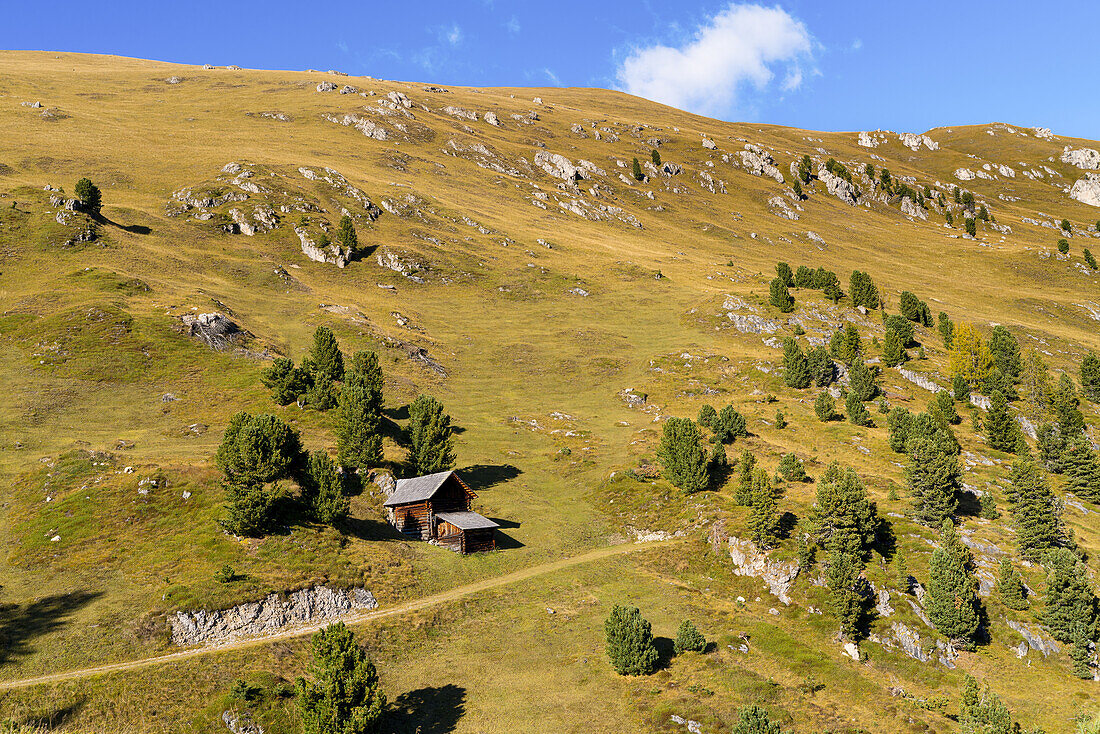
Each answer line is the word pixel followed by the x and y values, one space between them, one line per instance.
pixel 414 519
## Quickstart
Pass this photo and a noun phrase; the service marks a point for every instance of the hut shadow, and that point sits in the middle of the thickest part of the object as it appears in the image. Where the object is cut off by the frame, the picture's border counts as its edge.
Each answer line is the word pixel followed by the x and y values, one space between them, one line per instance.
pixel 20 624
pixel 428 710
pixel 504 541
pixel 484 476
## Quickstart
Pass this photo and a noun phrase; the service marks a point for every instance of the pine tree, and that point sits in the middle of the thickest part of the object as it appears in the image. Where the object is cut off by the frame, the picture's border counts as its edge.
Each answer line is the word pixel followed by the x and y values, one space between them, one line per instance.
pixel 843 517
pixel 1035 510
pixel 325 359
pixel 630 642
pixel 902 326
pixel 983 712
pixel 862 291
pixel 1063 403
pixel 1052 447
pixel 796 187
pixel 901 567
pixel 846 601
pixel 251 507
pixel 91 200
pixel 780 296
pixel 259 449
pixel 430 431
pixel 863 380
pixel 1090 259
pixel 752 719
pixel 1035 387
pixel 783 272
pixel 689 639
pixel 898 422
pixel 821 366
pixel 1090 377
pixel 745 470
pixel 763 519
pixel 803 277
pixel 1082 469
pixel 707 416
pixel 1070 601
pixel 946 329
pixel 285 381
pixel 1010 587
pixel 346 238
pixel 1006 352
pixel 792 469
pixel 942 408
pixel 655 155
pixel 824 406
pixel 1080 654
pixel 988 506
pixel 1002 433
pixel 953 603
pixel 971 226
pixel 683 460
pixel 805 169
pixel 796 370
pixel 344 696
pixel 893 353
pixel 933 477
pixel 357 427
pixel 857 411
pixel 636 169
pixel 729 425
pixel 323 489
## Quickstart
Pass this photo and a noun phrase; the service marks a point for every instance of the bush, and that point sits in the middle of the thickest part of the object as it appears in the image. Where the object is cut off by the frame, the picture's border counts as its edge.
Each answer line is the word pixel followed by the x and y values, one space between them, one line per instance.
pixel 792 470
pixel 688 638
pixel 344 696
pixel 754 720
pixel 780 420
pixel 630 642
pixel 707 416
pixel 225 574
pixel 1063 246
pixel 825 406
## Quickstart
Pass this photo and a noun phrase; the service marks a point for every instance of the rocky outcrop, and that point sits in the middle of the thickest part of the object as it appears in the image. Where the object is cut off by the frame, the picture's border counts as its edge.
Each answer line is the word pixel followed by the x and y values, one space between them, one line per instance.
pixel 748 560
pixel 911 209
pixel 269 615
pixel 368 127
pixel 709 144
pixel 326 87
pixel 1087 190
pixel 330 253
pixel 1084 158
pixel 1034 637
pixel 965 174
pixel 459 112
pixel 759 162
pixel 491 118
pixel 558 166
pixel 780 207
pixel 914 141
pixel 866 140
pixel 240 723
pixel 838 187
pixel 406 265
pixel 214 329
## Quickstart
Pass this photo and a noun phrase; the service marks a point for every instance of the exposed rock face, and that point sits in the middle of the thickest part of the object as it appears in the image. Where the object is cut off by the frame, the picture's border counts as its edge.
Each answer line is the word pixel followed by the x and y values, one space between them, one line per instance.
pixel 980 401
pixel 386 483
pixel 216 330
pixel 759 162
pixel 491 118
pixel 867 141
pixel 1043 133
pixel 1087 190
pixel 908 640
pixel 368 127
pixel 1084 158
pixel 558 166
pixel 911 209
pixel 1035 638
pixel 914 141
pixel 307 606
pixel 709 144
pixel 326 87
pixel 964 174
pixel 748 560
pixel 838 187
pixel 328 254
pixel 406 265
pixel 240 723
pixel 780 207
pixel 459 112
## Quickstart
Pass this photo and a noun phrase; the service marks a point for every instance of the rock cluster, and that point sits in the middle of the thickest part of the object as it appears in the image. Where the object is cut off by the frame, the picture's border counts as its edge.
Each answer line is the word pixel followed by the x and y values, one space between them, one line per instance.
pixel 1084 158
pixel 330 253
pixel 914 141
pixel 748 560
pixel 844 190
pixel 1087 190
pixel 759 162
pixel 307 606
pixel 216 330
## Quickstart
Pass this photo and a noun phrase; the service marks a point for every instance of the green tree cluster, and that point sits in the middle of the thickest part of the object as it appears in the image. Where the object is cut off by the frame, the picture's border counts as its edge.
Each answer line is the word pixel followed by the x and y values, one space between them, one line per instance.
pixel 780 296
pixel 1010 587
pixel 89 196
pixel 862 290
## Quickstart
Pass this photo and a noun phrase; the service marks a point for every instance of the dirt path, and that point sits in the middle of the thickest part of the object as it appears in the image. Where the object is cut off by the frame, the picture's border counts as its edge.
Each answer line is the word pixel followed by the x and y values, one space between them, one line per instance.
pixel 350 619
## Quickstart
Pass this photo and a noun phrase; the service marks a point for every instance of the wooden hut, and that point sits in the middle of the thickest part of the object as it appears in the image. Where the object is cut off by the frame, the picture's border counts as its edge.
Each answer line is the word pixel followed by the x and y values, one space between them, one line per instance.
pixel 436 508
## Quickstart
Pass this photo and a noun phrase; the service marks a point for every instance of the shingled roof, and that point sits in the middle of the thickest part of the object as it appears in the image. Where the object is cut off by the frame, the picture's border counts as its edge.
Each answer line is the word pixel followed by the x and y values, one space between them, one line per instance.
pixel 418 489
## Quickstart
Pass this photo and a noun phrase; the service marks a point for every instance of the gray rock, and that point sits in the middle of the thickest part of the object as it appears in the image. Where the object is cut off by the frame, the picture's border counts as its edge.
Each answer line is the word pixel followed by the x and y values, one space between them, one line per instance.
pixel 406 265
pixel 240 723
pixel 214 329
pixel 328 254
pixel 326 87
pixel 459 112
pixel 920 380
pixel 759 162
pixel 558 166
pixel 709 144
pixel 269 615
pixel 965 174
pixel 1087 190
pixel 838 187
pixel 386 483
pixel 1033 635
pixel 908 640
pixel 1084 158
pixel 910 208
pixel 491 118
pixel 914 141
pixel 748 560
pixel 177 80
pixel 780 207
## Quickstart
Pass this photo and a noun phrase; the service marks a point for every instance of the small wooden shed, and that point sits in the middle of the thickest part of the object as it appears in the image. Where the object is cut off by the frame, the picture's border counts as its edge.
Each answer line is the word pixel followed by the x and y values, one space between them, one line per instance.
pixel 436 508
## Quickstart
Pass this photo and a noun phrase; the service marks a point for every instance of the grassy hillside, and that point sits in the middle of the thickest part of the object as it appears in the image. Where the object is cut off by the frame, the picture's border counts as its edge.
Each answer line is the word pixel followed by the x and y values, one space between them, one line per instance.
pixel 537 303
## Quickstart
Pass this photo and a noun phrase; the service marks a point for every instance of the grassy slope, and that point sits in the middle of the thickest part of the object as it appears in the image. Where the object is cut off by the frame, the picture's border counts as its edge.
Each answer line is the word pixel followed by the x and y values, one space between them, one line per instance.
pixel 516 344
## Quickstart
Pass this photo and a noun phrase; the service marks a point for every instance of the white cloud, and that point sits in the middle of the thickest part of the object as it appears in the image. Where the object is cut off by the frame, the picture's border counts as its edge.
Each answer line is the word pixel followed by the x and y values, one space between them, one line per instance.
pixel 552 77
pixel 512 25
pixel 452 35
pixel 857 44
pixel 741 45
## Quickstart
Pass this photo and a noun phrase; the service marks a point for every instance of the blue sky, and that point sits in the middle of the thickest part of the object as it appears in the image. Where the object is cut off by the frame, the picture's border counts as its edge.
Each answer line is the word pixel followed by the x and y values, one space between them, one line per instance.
pixel 814 64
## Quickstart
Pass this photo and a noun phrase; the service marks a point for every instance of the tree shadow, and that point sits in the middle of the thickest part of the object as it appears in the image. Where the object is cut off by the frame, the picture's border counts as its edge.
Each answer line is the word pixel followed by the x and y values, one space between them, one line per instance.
pixel 666 650
pixel 788 521
pixel 428 710
pixel 366 529
pixel 970 504
pixel 391 430
pixel 54 719
pixel 397 414
pixel 483 476
pixel 20 624
pixel 886 541
pixel 131 228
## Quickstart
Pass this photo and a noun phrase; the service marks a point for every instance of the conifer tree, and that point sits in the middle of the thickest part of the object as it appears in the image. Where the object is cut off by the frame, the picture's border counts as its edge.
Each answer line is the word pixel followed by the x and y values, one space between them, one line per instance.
pixel 805 169
pixel 988 507
pixel 1010 587
pixel 346 238
pixel 344 696
pixel 933 477
pixel 91 200
pixel 636 169
pixel 683 460
pixel 803 277
pixel 862 291
pixel 1090 377
pixel 1035 386
pixel 1082 469
pixel 893 353
pixel 898 422
pixel 729 425
pixel 792 469
pixel 946 329
pixel 1063 403
pixel 845 344
pixel 846 601
pixel 824 406
pixel 745 469
pixel 1006 352
pixel 763 518
pixel 783 272
pixel 285 381
pixel 1080 654
pixel 983 712
pixel 1052 446
pixel 357 427
pixel 630 642
pixel 780 296
pixel 1036 512
pixel 258 449
pixel 325 359
pixel 942 408
pixel 843 517
pixel 863 380
pixel 707 416
pixel 796 369
pixel 689 639
pixel 821 366
pixel 796 187
pixel 1070 601
pixel 323 489
pixel 857 411
pixel 969 356
pixel 655 155
pixel 752 719
pixel 971 226
pixel 430 436
pixel 1002 433
pixel 953 603
pixel 1090 259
